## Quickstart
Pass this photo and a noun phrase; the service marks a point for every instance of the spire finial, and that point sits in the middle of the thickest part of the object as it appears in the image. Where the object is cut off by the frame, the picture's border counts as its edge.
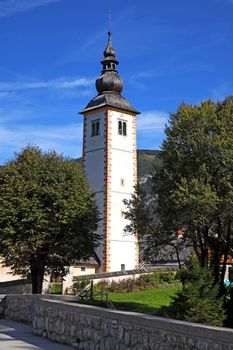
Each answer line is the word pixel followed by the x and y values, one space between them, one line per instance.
pixel 109 51
pixel 110 21
pixel 109 81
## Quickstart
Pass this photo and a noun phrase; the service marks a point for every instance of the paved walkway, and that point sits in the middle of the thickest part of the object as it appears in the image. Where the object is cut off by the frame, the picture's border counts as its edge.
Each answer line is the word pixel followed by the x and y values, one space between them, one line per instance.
pixel 18 336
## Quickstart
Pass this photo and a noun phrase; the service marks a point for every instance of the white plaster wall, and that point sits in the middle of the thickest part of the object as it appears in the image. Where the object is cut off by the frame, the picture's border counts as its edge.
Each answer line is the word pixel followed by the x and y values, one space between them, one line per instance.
pixel 95 166
pixel 118 221
pixel 122 247
pixel 6 274
pixel 122 168
pixel 94 152
pixel 120 141
pixel 94 169
pixel 122 253
pixel 95 141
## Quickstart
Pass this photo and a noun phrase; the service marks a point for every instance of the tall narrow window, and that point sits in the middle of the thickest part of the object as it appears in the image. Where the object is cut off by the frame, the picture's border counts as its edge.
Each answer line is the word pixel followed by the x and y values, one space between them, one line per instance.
pixel 95 128
pixel 92 129
pixel 120 127
pixel 124 128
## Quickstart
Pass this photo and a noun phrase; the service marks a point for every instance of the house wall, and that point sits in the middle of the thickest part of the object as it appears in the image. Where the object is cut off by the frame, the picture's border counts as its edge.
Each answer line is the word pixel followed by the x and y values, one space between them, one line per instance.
pixel 6 274
pixel 75 271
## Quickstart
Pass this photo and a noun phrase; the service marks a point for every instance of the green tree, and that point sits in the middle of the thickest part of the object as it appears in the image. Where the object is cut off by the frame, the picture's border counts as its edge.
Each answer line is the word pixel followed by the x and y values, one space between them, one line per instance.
pixel 198 300
pixel 193 183
pixel 48 216
pixel 141 211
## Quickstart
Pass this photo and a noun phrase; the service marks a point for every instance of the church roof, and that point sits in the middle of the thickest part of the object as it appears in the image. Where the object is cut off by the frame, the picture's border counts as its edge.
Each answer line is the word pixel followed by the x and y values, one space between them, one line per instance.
pixel 110 99
pixel 109 84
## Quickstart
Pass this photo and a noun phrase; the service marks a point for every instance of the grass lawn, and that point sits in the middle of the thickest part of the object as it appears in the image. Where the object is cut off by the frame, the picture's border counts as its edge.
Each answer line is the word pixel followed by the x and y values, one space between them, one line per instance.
pixel 146 301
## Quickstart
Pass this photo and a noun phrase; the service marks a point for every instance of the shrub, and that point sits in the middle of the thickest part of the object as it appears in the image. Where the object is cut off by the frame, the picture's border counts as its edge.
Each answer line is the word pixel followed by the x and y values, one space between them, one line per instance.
pixel 56 288
pixel 102 286
pixel 146 281
pixel 198 300
pixel 168 277
pixel 79 285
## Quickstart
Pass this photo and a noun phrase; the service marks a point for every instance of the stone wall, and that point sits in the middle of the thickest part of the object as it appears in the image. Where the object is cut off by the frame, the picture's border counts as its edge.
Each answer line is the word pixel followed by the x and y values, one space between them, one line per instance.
pixel 21 286
pixel 19 308
pixel 92 328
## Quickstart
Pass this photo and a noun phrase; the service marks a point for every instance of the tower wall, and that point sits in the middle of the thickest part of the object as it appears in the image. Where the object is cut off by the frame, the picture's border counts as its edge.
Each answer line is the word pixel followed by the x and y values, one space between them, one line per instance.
pixel 110 164
pixel 94 154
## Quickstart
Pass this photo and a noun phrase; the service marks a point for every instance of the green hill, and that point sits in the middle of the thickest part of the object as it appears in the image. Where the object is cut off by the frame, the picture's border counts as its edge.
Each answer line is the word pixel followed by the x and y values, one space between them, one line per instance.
pixel 146 160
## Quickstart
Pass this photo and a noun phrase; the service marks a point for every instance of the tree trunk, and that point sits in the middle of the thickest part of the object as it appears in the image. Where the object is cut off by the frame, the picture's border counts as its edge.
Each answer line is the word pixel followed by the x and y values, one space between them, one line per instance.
pixel 225 254
pixel 177 255
pixel 37 276
pixel 216 254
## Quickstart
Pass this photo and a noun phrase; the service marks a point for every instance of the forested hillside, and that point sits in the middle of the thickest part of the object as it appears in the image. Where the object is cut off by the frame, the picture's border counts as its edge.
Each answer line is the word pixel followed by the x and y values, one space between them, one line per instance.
pixel 146 160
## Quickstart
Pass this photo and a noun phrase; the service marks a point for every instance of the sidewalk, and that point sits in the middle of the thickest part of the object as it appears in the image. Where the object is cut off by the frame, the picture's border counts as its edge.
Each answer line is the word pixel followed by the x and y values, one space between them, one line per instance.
pixel 18 336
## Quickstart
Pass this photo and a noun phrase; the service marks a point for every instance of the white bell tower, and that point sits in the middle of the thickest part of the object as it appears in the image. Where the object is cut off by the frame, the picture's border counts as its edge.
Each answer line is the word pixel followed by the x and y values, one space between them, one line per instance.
pixel 110 163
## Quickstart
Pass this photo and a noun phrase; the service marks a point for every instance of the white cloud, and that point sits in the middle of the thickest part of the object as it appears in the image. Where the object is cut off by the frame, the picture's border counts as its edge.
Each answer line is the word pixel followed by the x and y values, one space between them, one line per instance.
pixel 152 120
pixel 222 90
pixel 10 7
pixel 60 83
pixel 63 139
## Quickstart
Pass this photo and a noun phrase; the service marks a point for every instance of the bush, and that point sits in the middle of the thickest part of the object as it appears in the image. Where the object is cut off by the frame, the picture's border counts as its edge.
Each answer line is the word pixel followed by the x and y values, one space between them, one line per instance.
pixel 101 287
pixel 56 288
pixel 198 300
pixel 80 285
pixel 147 281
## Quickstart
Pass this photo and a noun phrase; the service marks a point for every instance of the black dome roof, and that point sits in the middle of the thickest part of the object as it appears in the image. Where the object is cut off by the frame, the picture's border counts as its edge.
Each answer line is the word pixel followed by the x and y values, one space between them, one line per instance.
pixel 109 84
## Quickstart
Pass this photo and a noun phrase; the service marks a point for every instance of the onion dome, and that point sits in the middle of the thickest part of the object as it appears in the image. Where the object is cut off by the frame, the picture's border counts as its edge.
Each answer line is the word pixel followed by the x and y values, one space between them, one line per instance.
pixel 109 84
pixel 109 81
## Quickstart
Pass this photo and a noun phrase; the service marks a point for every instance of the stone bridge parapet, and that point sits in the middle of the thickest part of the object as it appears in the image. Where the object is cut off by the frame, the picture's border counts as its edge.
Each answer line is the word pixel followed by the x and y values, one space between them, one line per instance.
pixel 92 328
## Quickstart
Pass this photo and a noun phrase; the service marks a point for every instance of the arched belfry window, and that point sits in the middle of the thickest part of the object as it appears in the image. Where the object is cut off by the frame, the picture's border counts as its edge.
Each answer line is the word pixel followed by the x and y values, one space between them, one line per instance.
pixel 95 127
pixel 122 128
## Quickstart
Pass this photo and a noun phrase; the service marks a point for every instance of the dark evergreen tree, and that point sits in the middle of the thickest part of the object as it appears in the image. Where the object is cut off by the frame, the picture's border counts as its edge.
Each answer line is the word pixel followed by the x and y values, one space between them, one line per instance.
pixel 198 300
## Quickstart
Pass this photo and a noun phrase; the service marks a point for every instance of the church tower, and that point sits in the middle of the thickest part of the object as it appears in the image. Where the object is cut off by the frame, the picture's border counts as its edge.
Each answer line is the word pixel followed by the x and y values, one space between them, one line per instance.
pixel 110 163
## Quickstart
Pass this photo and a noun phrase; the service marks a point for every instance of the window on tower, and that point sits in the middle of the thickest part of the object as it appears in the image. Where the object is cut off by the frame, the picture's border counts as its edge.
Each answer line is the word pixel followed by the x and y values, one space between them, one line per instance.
pixel 95 127
pixel 122 128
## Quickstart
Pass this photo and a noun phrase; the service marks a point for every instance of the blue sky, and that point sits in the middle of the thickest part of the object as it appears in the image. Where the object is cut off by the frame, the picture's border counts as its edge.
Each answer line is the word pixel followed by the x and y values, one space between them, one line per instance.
pixel 169 52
